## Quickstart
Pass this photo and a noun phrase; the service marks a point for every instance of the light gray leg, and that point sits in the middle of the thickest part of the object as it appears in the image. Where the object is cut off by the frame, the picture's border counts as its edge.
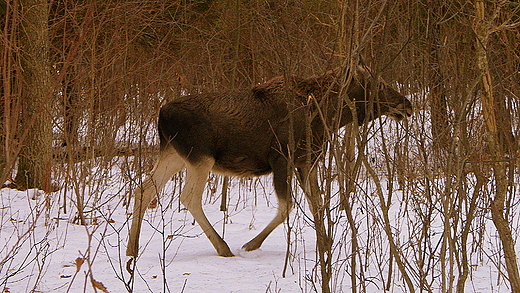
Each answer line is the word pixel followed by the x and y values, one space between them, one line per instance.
pixel 169 163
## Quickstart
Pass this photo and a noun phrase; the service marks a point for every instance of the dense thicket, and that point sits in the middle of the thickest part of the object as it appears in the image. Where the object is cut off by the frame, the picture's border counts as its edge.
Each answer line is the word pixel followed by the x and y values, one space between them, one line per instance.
pixel 103 69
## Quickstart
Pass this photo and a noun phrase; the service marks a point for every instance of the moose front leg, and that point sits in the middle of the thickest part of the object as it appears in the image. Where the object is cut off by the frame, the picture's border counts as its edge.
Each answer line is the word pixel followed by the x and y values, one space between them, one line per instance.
pixel 281 181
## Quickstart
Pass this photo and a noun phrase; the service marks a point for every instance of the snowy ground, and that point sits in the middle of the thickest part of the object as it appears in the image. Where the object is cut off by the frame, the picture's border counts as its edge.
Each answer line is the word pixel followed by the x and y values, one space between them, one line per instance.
pixel 46 249
pixel 39 250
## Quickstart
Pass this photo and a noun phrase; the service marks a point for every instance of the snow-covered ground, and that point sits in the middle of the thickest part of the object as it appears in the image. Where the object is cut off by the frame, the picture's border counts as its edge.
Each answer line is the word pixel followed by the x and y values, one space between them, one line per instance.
pixel 39 251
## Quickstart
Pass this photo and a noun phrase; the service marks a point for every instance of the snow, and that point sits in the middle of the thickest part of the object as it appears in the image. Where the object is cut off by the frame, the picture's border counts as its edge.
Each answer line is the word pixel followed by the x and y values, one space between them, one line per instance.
pixel 172 249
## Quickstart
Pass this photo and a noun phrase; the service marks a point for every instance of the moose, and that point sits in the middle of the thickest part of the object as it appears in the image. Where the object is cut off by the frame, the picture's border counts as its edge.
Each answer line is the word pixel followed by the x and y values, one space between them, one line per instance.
pixel 276 127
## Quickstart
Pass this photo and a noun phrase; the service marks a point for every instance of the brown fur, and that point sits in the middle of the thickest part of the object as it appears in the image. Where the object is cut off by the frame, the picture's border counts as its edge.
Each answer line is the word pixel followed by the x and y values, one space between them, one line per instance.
pixel 256 132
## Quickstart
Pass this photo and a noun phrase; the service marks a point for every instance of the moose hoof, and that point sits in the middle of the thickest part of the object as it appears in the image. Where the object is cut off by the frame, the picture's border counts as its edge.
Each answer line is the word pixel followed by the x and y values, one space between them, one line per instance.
pixel 250 246
pixel 222 248
pixel 130 266
pixel 225 252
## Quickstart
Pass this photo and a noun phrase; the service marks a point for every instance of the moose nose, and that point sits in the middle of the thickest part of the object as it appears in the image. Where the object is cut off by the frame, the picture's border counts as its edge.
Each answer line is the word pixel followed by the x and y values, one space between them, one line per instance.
pixel 406 107
pixel 409 111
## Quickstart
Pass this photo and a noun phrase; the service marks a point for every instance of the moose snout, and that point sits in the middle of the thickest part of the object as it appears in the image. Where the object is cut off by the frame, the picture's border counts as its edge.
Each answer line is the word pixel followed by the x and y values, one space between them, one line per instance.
pixel 401 111
pixel 409 109
pixel 405 108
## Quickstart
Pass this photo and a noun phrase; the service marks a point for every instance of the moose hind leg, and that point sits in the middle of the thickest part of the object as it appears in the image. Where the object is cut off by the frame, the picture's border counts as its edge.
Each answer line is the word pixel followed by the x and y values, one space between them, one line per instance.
pixel 169 163
pixel 191 198
pixel 281 186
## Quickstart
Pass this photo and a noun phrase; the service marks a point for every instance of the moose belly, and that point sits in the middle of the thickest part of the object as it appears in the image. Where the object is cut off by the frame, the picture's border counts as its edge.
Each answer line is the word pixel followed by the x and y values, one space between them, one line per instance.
pixel 241 165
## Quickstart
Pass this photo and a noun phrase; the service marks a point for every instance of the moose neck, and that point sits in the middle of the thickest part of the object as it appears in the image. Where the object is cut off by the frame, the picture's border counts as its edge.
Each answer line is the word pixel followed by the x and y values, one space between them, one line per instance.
pixel 331 104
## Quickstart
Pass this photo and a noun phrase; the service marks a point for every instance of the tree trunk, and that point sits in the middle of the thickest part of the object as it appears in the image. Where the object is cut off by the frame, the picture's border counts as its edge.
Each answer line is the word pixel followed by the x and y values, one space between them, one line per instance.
pixel 437 96
pixel 35 156
pixel 499 209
